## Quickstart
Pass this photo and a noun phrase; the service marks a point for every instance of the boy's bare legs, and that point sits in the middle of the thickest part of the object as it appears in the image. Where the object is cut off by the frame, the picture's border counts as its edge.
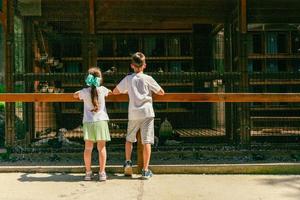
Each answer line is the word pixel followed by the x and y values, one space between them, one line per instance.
pixel 128 163
pixel 146 156
pixel 128 150
pixel 146 173
pixel 102 155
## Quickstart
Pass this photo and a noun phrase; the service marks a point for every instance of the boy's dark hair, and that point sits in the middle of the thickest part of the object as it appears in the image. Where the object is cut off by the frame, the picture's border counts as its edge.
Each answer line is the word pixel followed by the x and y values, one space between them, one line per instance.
pixel 138 59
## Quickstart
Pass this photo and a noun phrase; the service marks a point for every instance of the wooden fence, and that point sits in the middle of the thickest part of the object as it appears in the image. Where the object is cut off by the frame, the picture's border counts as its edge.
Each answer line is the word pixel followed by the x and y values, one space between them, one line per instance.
pixel 169 97
pixel 244 121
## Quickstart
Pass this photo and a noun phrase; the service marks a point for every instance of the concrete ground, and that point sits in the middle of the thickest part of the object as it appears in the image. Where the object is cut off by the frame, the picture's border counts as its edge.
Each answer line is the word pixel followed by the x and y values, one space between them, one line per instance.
pixel 22 186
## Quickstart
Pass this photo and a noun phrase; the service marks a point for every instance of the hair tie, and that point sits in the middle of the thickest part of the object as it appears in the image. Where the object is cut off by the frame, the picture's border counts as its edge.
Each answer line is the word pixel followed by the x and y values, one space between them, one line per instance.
pixel 92 80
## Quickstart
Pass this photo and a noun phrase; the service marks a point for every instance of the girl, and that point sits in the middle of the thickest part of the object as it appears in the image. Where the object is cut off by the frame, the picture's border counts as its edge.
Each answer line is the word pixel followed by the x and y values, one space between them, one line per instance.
pixel 95 121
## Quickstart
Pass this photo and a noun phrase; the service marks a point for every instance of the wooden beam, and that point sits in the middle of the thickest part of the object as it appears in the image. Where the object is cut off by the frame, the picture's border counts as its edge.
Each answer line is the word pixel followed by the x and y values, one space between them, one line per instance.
pixel 139 6
pixel 243 113
pixel 59 16
pixel 217 28
pixel 8 11
pixel 4 15
pixel 119 26
pixel 205 12
pixel 229 107
pixel 92 51
pixel 85 40
pixel 146 25
pixel 256 18
pixel 92 16
pixel 273 4
pixel 243 16
pixel 159 11
pixel 157 3
pixel 273 11
pixel 1 17
pixel 28 112
pixel 169 97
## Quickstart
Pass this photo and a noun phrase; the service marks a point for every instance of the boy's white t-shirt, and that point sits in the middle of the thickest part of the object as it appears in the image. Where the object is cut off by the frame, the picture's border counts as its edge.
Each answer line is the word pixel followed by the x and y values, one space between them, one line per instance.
pixel 139 87
pixel 88 115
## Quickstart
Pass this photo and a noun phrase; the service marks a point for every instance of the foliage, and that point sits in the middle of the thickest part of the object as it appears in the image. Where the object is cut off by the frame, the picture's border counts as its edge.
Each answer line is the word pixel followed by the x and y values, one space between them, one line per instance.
pixel 2 88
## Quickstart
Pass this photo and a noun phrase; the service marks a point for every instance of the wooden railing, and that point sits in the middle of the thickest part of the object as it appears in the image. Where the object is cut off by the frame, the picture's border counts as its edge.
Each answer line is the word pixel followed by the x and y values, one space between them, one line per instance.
pixel 169 97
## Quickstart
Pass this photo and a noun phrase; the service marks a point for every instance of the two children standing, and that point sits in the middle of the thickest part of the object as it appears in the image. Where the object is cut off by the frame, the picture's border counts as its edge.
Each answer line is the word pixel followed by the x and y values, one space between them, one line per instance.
pixel 139 87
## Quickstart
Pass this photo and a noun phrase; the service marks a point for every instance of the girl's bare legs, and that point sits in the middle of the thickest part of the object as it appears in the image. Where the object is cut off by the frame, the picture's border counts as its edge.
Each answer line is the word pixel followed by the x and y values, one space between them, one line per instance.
pixel 102 155
pixel 88 155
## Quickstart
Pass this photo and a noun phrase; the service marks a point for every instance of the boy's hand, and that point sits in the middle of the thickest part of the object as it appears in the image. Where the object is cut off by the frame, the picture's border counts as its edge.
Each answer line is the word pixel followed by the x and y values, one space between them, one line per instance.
pixel 116 91
pixel 161 92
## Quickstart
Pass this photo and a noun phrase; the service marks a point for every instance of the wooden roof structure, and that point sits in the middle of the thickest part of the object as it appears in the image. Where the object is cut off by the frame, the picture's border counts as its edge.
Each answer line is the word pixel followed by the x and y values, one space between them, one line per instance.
pixel 75 15
pixel 162 14
pixel 113 13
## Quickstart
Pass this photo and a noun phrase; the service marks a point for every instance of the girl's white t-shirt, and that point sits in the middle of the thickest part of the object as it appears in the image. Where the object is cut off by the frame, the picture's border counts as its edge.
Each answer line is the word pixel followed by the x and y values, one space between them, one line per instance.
pixel 88 115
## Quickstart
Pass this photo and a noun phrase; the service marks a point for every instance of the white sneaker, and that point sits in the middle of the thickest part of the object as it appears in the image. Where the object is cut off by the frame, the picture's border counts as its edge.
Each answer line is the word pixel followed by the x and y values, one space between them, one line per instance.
pixel 102 176
pixel 88 176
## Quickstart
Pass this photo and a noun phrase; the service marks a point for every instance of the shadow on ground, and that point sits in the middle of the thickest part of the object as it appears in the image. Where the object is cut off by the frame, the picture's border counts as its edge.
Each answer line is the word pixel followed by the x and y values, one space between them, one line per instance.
pixel 63 177
pixel 292 182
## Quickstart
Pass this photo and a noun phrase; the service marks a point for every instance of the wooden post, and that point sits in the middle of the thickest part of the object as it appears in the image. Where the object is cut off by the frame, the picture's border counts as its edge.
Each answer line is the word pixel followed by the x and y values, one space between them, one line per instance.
pixel 92 39
pixel 92 51
pixel 92 16
pixel 140 160
pixel 202 47
pixel 243 16
pixel 29 67
pixel 202 57
pixel 8 11
pixel 1 18
pixel 243 109
pixel 84 38
pixel 89 48
pixel 229 84
pixel 3 14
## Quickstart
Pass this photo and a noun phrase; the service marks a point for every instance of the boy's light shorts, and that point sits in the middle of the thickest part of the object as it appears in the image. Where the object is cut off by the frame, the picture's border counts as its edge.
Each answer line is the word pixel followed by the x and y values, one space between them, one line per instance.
pixel 147 130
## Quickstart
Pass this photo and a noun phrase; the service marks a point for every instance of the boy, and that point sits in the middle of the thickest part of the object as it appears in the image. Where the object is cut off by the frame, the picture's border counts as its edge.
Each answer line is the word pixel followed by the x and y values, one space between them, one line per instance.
pixel 139 87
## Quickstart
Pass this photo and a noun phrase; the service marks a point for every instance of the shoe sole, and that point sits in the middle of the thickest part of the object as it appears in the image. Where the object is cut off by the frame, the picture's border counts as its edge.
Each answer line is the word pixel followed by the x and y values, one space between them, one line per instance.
pixel 128 171
pixel 102 179
pixel 88 179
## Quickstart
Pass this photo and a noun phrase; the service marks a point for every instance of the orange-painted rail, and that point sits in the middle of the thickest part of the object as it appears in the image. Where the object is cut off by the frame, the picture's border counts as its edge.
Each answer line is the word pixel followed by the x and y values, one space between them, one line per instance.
pixel 169 97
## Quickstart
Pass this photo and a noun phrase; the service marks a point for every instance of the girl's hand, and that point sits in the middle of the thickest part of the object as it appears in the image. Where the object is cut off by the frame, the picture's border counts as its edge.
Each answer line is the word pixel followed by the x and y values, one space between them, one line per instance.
pixel 76 95
pixel 116 91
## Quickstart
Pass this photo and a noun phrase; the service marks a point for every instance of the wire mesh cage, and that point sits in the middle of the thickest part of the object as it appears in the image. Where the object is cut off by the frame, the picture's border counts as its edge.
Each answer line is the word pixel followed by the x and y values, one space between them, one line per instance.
pixel 52 57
